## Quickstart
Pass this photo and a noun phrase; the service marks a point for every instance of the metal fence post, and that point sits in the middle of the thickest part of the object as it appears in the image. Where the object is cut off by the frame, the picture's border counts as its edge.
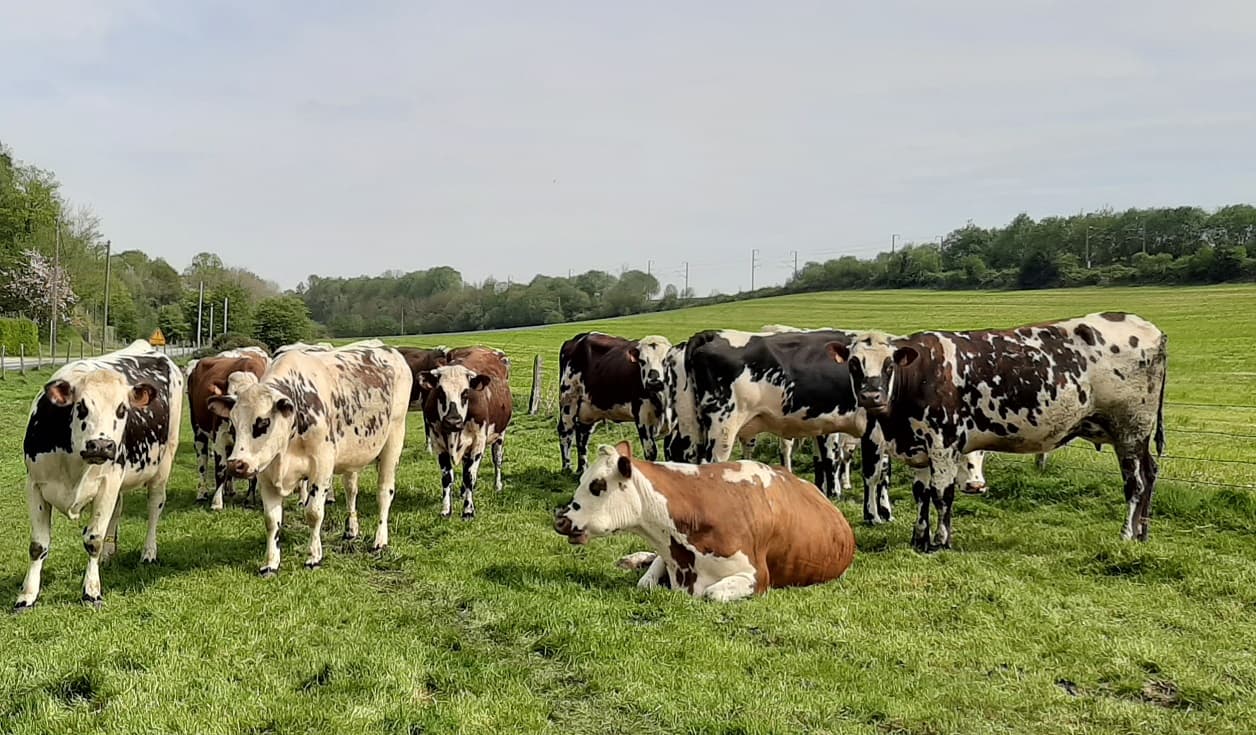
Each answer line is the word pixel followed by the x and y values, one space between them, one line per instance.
pixel 39 352
pixel 4 349
pixel 21 359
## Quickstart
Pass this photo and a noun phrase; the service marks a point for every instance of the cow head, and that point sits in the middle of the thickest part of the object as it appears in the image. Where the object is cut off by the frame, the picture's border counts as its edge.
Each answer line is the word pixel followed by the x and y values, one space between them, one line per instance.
pixel 606 500
pixel 263 419
pixel 873 361
pixel 649 353
pixel 449 390
pixel 100 401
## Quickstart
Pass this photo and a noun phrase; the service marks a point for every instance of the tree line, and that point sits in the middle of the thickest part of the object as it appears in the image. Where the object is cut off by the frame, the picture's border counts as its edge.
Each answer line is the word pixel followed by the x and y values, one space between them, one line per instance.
pixel 38 228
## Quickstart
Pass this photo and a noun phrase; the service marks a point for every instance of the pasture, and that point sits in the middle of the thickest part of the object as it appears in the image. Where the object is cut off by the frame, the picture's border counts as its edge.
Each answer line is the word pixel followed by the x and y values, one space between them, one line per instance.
pixel 1039 621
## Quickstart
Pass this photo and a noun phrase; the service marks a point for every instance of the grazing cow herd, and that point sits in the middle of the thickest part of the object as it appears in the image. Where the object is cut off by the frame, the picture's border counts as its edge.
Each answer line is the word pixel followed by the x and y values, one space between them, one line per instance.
pixel 288 423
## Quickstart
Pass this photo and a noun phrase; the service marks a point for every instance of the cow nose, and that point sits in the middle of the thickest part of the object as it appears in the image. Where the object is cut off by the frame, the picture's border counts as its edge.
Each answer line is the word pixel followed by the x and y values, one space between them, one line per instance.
pixel 99 447
pixel 562 524
pixel 239 468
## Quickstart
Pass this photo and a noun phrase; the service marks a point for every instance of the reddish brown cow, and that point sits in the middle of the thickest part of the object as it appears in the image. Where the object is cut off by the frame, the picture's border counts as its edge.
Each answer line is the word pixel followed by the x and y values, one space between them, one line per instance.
pixel 466 408
pixel 421 360
pixel 213 436
pixel 719 531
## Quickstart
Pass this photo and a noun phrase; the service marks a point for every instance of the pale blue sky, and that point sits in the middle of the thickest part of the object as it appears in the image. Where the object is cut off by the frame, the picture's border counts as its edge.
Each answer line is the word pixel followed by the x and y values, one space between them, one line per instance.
pixel 509 138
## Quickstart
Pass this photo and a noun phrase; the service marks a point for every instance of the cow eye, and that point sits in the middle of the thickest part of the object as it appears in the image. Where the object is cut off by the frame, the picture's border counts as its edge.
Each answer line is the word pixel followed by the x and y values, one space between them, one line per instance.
pixel 121 413
pixel 598 486
pixel 261 426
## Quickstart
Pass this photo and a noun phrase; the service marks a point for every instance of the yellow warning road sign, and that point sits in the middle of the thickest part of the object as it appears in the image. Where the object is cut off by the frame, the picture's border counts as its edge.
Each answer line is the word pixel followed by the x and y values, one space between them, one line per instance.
pixel 157 339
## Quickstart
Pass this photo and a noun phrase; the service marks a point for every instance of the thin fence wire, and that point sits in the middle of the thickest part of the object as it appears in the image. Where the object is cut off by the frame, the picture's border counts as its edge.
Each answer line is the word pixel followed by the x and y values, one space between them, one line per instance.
pixel 1210 405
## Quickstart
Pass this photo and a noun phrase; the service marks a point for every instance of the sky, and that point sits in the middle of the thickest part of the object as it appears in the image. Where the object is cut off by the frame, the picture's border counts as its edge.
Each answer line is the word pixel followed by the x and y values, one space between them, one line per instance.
pixel 508 139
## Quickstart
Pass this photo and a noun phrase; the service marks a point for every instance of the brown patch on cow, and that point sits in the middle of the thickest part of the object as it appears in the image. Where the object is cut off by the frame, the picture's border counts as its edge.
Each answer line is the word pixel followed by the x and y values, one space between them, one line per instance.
pixel 421 360
pixel 605 365
pixel 1133 340
pixel 1113 316
pixel 684 560
pixel 793 536
pixel 1086 334
pixel 209 378
pixel 1115 350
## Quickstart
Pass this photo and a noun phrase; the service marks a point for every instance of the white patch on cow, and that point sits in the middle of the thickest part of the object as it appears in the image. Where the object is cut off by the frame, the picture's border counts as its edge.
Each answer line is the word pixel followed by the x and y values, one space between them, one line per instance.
pixel 750 471
pixel 736 338
pixel 680 468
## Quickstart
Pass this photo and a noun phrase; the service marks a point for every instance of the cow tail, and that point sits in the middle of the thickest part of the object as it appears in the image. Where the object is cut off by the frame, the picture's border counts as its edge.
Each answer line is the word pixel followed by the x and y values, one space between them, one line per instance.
pixel 1164 379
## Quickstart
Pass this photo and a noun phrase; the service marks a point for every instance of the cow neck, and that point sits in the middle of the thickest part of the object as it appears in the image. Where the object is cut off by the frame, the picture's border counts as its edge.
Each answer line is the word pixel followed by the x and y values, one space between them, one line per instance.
pixel 655 523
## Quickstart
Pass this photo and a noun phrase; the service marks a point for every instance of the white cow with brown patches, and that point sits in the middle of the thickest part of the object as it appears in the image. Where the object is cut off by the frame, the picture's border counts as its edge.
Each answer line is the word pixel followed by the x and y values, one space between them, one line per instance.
pixel 312 415
pixel 719 531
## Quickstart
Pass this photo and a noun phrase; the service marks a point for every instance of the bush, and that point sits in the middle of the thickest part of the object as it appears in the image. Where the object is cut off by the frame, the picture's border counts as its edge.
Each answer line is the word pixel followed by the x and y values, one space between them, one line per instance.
pixel 228 341
pixel 282 320
pixel 16 333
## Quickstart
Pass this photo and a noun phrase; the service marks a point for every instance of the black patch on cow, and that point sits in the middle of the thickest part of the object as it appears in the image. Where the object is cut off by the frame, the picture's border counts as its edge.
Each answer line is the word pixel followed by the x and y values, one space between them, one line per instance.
pixel 37 551
pixel 1086 334
pixel 1113 316
pixel 597 487
pixel 1114 348
pixel 80 409
pixel 48 429
pixel 1133 340
pixel 260 427
pixel 121 412
pixel 686 577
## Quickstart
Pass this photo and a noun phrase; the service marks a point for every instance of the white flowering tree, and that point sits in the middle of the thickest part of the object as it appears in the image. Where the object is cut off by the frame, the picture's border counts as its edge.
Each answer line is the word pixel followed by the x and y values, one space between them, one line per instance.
pixel 31 287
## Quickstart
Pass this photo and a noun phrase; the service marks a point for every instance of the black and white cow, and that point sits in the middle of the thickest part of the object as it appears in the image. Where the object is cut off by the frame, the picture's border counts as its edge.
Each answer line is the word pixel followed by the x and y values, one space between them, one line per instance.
pixel 606 378
pixel 937 395
pixel 312 415
pixel 98 427
pixel 724 386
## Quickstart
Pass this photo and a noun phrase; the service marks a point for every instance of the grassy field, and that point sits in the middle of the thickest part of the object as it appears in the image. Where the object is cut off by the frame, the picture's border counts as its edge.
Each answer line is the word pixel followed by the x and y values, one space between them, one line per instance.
pixel 1040 620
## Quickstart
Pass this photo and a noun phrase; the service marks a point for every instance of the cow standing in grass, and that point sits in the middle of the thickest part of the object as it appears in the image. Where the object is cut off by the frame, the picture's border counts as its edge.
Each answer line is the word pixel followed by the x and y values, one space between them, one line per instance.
pixel 606 378
pixel 937 395
pixel 98 427
pixel 212 435
pixel 312 415
pixel 467 409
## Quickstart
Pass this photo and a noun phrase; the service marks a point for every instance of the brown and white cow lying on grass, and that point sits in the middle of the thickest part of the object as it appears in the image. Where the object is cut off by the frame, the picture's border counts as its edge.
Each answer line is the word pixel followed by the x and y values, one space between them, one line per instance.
pixel 719 531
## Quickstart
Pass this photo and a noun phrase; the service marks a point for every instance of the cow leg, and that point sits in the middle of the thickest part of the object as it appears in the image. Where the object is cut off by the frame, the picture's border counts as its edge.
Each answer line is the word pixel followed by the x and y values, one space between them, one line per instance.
pixel 351 495
pixel 200 442
pixel 470 472
pixel 222 481
pixel 935 485
pixel 315 505
pixel 845 458
pixel 875 466
pixel 1040 461
pixel 649 448
pixel 251 497
pixel 655 575
pixel 920 493
pixel 156 502
pixel 94 537
pixel 582 446
pixel 41 540
pixel 787 454
pixel 1133 476
pixel 826 478
pixel 734 587
pixel 976 482
pixel 1150 469
pixel 110 546
pixel 747 447
pixel 272 509
pixel 446 463
pixel 720 439
pixel 566 432
pixel 386 466
pixel 499 448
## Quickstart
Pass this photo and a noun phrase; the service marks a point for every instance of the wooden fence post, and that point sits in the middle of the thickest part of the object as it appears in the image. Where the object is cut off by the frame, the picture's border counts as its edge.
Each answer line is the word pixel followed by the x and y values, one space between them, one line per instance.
pixel 534 403
pixel 21 359
pixel 67 353
pixel 4 350
pixel 82 344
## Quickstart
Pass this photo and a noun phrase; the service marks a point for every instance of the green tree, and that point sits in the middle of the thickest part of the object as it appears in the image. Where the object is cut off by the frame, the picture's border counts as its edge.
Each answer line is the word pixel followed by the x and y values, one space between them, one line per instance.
pixel 282 320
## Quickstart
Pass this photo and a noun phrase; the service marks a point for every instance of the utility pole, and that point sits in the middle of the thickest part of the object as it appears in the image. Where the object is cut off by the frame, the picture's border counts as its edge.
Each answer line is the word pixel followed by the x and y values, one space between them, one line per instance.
pixel 754 261
pixel 1144 237
pixel 104 332
pixel 893 243
pixel 685 293
pixel 649 267
pixel 1088 229
pixel 225 301
pixel 200 309
pixel 56 271
pixel 211 323
pixel 795 264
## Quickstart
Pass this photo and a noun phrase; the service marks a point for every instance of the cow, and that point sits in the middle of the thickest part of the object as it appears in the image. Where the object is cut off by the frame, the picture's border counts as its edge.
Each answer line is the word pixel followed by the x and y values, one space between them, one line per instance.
pixel 730 384
pixel 213 436
pixel 720 532
pixel 606 378
pixel 421 360
pixel 99 426
pixel 938 395
pixel 467 408
pixel 312 415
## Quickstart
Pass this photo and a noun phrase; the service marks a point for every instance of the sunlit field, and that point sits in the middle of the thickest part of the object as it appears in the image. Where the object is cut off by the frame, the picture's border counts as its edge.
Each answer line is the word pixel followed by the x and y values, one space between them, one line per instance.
pixel 1039 621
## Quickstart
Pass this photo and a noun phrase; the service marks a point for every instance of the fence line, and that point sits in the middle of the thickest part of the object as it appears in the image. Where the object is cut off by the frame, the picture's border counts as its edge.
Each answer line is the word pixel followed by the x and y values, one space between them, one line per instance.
pixel 1161 478
pixel 1210 405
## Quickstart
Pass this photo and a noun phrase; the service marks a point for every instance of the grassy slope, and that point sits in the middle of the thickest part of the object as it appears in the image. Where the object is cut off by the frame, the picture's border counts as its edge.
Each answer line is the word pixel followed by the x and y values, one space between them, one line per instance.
pixel 498 625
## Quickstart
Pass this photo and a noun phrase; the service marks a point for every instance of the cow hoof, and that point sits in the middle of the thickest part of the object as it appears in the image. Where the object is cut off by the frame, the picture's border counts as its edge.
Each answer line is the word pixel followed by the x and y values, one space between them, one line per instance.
pixel 351 536
pixel 313 564
pixel 148 560
pixel 445 514
pixel 92 601
pixel 935 548
pixel 920 544
pixel 468 516
pixel 22 607
pixel 267 572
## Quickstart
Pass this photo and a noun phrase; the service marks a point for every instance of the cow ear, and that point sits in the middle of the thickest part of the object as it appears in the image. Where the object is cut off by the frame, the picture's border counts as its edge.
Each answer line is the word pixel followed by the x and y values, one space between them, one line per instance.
pixel 285 407
pixel 838 351
pixel 220 406
pixel 480 382
pixel 60 393
pixel 143 394
pixel 905 356
pixel 623 449
pixel 624 465
pixel 634 353
pixel 427 380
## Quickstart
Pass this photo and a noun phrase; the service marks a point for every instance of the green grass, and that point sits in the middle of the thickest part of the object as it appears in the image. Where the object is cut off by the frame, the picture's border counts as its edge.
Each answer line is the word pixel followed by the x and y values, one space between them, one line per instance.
pixel 1039 621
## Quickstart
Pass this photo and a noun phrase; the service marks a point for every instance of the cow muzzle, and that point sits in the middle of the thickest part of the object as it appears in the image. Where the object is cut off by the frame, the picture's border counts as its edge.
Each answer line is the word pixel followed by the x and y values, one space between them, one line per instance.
pixel 874 403
pixel 564 526
pixel 240 469
pixel 99 451
pixel 653 382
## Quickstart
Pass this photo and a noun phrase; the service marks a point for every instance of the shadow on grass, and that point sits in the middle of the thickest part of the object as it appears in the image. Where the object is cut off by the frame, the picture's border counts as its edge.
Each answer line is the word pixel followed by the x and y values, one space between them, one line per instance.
pixel 519 576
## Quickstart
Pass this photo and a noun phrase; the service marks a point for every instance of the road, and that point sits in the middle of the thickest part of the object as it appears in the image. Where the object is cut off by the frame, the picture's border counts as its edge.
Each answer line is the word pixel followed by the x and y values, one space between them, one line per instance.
pixel 12 364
